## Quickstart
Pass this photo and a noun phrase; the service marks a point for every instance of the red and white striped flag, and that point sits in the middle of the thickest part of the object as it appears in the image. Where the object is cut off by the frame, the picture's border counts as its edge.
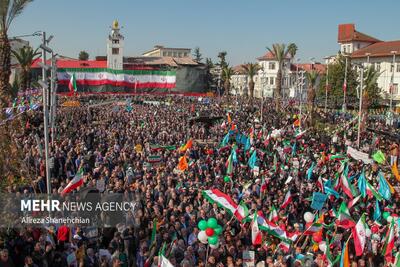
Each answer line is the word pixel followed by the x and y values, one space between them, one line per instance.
pixel 74 183
pixel 256 236
pixel 359 236
pixel 389 243
pixel 273 215
pixel 287 200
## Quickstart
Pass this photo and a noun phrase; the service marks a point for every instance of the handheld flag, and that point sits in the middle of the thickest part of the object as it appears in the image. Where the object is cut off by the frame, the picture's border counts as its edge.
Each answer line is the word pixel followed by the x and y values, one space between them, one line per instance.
pixel 256 236
pixel 253 159
pixel 359 236
pixel 74 183
pixel 183 164
pixel 362 184
pixel 379 157
pixel 287 200
pixel 72 84
pixel 377 211
pixel 384 189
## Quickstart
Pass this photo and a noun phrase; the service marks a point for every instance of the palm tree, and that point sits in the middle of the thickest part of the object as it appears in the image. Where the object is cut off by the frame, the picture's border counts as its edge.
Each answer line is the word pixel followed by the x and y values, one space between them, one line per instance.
pixel 312 78
pixel 25 57
pixel 10 9
pixel 222 59
pixel 292 49
pixel 226 74
pixel 280 52
pixel 251 70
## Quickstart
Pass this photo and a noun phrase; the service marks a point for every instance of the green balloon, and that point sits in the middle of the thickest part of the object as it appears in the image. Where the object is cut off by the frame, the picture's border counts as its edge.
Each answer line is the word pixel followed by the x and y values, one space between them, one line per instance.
pixel 212 223
pixel 213 240
pixel 218 230
pixel 202 225
pixel 227 179
pixel 385 215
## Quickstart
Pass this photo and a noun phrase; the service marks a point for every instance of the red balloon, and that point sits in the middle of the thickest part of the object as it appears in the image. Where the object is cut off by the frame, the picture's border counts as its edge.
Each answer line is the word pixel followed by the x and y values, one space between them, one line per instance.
pixel 317 237
pixel 209 232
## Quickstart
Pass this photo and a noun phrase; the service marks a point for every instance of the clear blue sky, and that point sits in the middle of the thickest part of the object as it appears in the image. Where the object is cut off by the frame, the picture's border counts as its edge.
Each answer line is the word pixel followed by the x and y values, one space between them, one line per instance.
pixel 243 28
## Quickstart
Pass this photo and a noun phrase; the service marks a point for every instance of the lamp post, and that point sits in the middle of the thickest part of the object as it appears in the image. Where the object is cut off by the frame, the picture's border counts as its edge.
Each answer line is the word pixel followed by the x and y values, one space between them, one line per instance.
pixel 301 96
pixel 326 85
pixel 360 107
pixel 392 81
pixel 345 84
pixel 368 54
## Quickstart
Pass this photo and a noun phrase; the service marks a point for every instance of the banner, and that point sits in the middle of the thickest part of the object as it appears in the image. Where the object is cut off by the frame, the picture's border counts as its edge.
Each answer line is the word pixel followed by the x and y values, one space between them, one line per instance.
pixel 318 200
pixel 248 258
pixel 358 155
pixel 126 78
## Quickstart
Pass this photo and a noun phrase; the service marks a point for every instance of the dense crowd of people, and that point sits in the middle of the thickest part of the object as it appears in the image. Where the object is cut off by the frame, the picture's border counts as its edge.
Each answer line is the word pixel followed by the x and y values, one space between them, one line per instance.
pixel 113 146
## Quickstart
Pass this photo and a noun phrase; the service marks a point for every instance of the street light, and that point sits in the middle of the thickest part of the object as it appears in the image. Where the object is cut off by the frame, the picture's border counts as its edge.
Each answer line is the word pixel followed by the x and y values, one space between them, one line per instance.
pixel 345 83
pixel 368 54
pixel 326 84
pixel 392 80
pixel 361 67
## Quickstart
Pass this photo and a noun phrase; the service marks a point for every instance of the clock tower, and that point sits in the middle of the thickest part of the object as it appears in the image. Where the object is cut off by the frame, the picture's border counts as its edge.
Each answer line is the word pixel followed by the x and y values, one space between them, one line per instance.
pixel 115 48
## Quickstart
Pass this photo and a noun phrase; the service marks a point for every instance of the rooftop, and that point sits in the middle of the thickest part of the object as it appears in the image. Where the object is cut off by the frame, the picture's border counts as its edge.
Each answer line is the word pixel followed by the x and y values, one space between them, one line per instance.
pixel 270 56
pixel 381 49
pixel 348 33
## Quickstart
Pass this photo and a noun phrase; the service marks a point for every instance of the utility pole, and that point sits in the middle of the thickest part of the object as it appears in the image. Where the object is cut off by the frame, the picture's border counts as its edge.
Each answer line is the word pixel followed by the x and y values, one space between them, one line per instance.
pixel 45 86
pixel 262 104
pixel 53 100
pixel 392 82
pixel 326 86
pixel 360 107
pixel 301 95
pixel 345 86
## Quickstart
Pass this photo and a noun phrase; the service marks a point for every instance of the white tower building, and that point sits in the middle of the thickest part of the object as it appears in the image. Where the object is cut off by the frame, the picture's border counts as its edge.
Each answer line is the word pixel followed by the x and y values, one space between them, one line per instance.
pixel 115 48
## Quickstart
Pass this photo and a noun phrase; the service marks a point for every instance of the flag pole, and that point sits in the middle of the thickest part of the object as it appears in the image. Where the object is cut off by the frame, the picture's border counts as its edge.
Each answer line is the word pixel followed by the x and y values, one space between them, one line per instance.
pixel 205 264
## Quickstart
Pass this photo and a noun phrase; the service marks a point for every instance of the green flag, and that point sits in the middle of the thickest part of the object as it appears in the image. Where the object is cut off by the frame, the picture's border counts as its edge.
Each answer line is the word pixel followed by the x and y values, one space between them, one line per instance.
pixel 379 157
pixel 153 232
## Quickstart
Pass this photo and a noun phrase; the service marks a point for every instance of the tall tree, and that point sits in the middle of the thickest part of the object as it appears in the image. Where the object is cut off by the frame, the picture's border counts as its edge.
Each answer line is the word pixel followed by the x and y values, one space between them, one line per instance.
pixel 371 92
pixel 197 55
pixel 83 55
pixel 312 79
pixel 222 59
pixel 280 52
pixel 210 81
pixel 292 49
pixel 25 57
pixel 251 70
pixel 336 79
pixel 227 73
pixel 9 10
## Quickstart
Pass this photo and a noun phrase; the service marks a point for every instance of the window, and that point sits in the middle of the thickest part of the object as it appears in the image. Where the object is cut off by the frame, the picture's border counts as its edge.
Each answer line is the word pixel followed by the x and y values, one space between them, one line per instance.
pixel 114 41
pixel 180 54
pixel 266 80
pixel 164 54
pixel 349 48
pixel 378 66
pixel 398 67
pixel 358 46
pixel 170 54
pixel 115 51
pixel 271 81
pixel 271 65
pixel 175 54
pixel 185 54
pixel 344 49
pixel 395 88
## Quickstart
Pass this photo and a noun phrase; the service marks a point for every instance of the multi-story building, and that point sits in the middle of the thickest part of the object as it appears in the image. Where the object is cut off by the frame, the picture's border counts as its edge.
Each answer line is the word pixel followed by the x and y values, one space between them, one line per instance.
pixel 161 51
pixel 369 51
pixel 265 80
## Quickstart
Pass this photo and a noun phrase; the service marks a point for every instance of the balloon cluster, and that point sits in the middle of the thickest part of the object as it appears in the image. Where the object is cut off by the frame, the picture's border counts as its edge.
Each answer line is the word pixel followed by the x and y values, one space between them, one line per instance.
pixel 209 232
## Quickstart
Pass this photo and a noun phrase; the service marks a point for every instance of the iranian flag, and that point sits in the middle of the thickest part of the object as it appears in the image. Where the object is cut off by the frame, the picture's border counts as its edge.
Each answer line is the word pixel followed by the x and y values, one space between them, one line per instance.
pixel 359 236
pixel 74 183
pixel 120 78
pixel 273 215
pixel 72 84
pixel 353 202
pixel 344 219
pixel 164 262
pixel 346 186
pixel 372 192
pixel 287 200
pixel 389 243
pixel 271 228
pixel 263 185
pixel 256 236
pixel 284 246
pixel 314 228
pixel 224 201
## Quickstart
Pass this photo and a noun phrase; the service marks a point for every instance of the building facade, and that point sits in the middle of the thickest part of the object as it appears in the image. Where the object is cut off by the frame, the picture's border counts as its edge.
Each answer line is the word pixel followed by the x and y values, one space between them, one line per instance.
pixel 115 48
pixel 161 51
pixel 16 44
pixel 265 80
pixel 384 56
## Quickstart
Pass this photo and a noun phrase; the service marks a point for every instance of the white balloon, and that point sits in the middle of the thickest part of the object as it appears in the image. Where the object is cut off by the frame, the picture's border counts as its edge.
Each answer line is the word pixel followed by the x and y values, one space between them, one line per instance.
pixel 322 246
pixel 202 236
pixel 389 219
pixel 214 246
pixel 308 216
pixel 368 232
